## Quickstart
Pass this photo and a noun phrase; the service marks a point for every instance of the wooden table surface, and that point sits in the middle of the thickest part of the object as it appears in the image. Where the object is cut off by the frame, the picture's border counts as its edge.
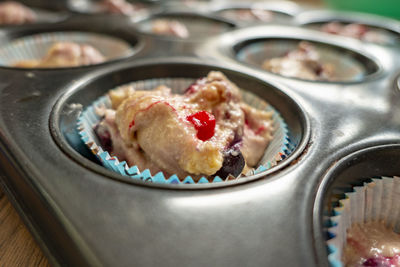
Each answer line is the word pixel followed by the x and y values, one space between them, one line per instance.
pixel 17 246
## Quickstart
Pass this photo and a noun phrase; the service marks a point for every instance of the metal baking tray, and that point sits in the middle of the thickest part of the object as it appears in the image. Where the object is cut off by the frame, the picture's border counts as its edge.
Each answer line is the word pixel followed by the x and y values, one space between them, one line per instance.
pixel 85 215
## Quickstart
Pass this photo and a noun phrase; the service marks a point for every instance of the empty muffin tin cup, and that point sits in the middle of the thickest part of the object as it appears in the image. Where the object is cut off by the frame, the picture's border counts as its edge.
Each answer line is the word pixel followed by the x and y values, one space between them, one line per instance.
pixel 278 149
pixel 377 200
pixel 35 47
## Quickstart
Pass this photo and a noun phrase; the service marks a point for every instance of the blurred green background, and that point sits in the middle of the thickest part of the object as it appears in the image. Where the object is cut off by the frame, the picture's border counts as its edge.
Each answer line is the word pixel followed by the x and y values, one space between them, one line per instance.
pixel 390 8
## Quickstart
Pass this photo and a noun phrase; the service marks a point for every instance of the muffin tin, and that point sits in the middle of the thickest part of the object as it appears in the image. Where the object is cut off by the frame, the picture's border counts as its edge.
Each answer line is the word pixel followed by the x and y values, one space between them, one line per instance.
pixel 82 217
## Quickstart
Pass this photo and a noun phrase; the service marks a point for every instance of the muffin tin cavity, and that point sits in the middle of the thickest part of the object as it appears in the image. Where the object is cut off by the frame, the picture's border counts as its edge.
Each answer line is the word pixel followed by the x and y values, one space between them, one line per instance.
pixel 253 15
pixel 115 41
pixel 64 115
pixel 197 26
pixel 286 8
pixel 281 12
pixel 374 29
pixel 35 47
pixel 353 170
pixel 15 13
pixel 99 6
pixel 348 65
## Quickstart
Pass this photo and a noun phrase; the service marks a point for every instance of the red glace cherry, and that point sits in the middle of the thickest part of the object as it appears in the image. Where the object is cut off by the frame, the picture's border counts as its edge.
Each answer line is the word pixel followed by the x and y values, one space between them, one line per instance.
pixel 204 123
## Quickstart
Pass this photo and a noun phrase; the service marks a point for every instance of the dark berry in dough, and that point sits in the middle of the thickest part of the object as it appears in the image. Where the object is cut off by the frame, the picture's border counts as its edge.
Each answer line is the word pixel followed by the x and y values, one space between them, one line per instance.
pixel 104 137
pixel 233 163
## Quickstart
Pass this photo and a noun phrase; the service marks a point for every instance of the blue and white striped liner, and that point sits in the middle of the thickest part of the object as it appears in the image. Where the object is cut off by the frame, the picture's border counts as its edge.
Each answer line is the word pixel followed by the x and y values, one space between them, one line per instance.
pixel 279 148
pixel 377 200
pixel 34 47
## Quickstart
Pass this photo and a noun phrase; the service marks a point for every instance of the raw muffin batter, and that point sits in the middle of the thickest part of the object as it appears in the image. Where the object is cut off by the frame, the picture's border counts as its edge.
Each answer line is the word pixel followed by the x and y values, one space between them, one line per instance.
pixel 303 63
pixel 372 244
pixel 65 54
pixel 15 13
pixel 207 130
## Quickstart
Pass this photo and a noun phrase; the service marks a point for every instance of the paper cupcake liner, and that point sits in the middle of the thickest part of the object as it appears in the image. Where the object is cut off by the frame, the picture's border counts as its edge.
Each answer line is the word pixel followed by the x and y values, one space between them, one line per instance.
pixel 377 200
pixel 279 148
pixel 34 47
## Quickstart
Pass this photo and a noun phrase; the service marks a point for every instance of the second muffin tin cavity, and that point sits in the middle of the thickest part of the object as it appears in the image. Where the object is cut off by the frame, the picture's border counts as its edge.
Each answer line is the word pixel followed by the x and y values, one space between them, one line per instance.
pixel 350 171
pixel 36 47
pixel 386 30
pixel 198 26
pixel 349 66
pixel 63 120
pixel 32 42
pixel 256 15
